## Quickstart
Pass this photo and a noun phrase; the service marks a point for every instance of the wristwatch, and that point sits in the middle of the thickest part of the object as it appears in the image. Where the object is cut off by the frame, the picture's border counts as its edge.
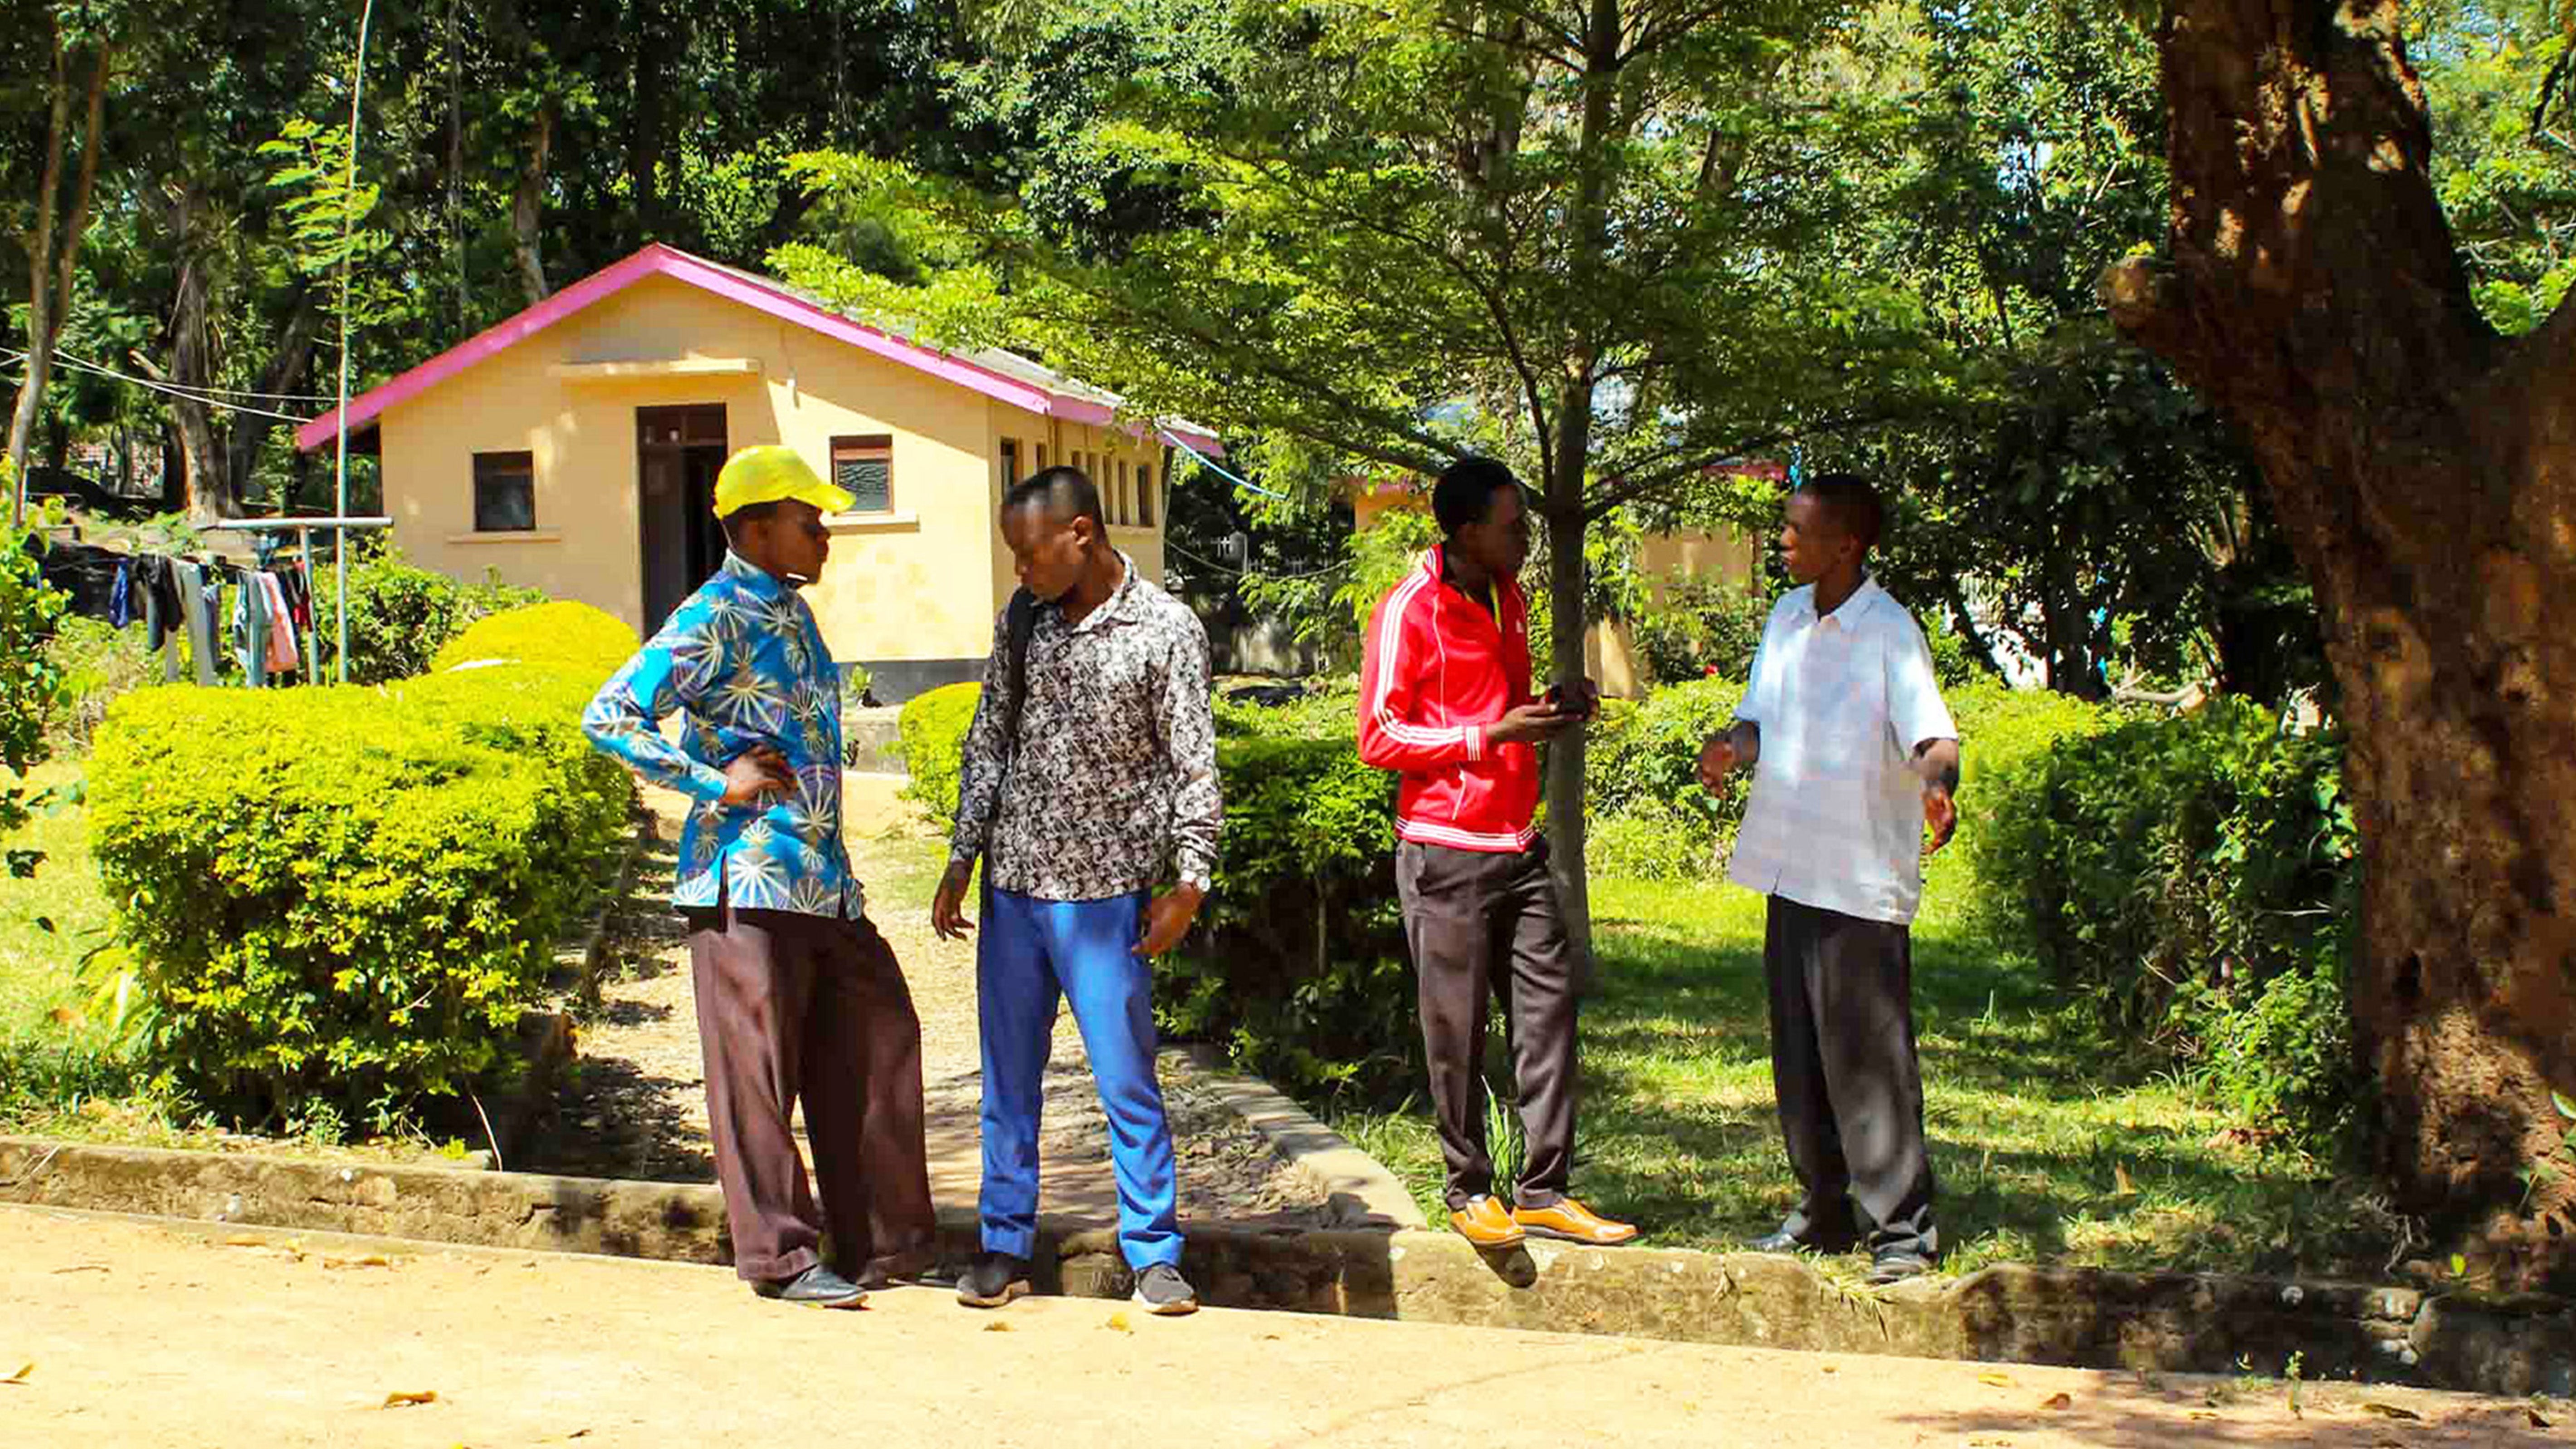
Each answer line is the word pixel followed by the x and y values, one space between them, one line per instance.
pixel 1197 880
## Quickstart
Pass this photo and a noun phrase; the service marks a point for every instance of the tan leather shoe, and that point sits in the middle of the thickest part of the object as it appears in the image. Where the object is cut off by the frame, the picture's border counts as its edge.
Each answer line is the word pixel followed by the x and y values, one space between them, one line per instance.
pixel 1573 1222
pixel 1485 1223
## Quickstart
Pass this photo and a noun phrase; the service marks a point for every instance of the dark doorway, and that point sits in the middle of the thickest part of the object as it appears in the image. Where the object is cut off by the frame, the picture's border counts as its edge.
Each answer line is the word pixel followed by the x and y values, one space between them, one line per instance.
pixel 678 453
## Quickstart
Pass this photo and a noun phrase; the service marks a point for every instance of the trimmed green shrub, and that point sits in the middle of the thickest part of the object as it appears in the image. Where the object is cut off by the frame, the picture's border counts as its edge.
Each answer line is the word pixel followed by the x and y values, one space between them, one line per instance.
pixel 1326 711
pixel 32 687
pixel 401 615
pixel 932 730
pixel 349 896
pixel 2197 877
pixel 1642 765
pixel 1700 628
pixel 577 636
pixel 1298 965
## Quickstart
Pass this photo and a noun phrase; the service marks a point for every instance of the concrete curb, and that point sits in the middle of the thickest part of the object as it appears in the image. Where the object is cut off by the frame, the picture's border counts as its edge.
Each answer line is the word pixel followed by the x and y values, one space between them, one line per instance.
pixel 2169 1322
pixel 1363 1192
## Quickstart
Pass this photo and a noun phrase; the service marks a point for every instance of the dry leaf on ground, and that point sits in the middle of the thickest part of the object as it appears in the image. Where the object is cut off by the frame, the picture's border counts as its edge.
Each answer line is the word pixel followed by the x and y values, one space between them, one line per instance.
pixel 20 1377
pixel 401 1399
pixel 1119 1321
pixel 2058 1401
pixel 2000 1381
pixel 371 1260
pixel 997 1326
pixel 2390 1411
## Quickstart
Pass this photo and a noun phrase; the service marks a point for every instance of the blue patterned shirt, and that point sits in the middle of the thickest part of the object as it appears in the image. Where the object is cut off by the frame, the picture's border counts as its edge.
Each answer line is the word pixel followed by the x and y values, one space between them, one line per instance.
pixel 744 665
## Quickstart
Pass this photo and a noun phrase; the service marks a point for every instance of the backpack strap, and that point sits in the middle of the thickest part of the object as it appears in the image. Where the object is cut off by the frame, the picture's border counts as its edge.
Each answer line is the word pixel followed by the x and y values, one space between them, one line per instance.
pixel 1023 622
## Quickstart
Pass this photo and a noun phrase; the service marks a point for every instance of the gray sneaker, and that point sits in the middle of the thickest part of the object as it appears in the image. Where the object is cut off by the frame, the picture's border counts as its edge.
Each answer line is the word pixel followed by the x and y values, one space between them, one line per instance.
pixel 1162 1289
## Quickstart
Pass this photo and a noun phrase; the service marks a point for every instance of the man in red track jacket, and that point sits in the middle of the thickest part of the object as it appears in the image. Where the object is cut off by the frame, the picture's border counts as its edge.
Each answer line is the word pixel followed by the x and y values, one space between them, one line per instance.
pixel 1445 700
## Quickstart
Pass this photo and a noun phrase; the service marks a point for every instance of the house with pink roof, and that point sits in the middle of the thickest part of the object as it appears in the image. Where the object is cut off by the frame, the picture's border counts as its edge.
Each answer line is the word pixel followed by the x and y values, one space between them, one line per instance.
pixel 574 449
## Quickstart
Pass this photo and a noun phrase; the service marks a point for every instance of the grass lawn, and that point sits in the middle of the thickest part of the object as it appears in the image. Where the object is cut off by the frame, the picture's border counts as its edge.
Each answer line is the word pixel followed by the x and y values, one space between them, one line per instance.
pixel 2047 1147
pixel 37 964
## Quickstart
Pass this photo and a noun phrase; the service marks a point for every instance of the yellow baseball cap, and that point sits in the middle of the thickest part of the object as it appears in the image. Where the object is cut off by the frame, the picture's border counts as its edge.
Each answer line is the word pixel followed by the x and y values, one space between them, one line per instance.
pixel 773 472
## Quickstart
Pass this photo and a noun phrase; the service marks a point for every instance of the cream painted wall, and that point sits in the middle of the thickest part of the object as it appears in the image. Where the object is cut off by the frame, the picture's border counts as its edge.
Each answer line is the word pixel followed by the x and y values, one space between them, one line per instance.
pixel 901 586
pixel 1089 446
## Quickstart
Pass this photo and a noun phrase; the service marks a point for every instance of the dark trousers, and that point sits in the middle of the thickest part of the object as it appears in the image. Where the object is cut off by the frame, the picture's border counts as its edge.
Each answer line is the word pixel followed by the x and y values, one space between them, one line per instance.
pixel 1844 1069
pixel 792 1006
pixel 1466 912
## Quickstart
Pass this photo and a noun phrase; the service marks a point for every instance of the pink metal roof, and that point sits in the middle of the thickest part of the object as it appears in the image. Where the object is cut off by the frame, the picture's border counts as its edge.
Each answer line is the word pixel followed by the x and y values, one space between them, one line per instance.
pixel 1024 385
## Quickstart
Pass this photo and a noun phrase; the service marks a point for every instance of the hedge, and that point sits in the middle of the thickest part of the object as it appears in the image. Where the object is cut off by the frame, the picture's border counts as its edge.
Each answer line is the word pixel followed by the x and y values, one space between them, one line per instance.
pixel 2197 877
pixel 351 895
pixel 931 731
pixel 1298 966
pixel 575 636
pixel 401 615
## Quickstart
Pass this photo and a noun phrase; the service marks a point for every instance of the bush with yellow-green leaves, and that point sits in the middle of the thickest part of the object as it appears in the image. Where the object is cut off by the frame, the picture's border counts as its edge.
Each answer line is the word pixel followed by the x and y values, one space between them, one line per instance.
pixel 349 896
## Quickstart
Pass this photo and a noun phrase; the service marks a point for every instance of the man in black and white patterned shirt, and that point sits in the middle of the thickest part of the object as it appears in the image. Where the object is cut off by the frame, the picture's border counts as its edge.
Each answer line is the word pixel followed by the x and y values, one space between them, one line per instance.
pixel 1081 798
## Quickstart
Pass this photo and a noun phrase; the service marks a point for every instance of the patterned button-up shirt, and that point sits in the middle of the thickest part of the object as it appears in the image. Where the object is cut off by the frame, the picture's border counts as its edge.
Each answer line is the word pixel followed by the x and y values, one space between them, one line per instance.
pixel 1115 775
pixel 744 664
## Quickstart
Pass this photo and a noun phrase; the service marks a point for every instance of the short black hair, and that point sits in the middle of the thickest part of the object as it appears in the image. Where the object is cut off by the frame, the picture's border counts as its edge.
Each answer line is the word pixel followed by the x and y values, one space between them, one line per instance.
pixel 1062 489
pixel 1854 502
pixel 746 515
pixel 1465 492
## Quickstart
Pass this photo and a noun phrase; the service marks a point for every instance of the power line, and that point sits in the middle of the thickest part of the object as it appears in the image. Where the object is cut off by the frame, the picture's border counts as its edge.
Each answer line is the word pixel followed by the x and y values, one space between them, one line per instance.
pixel 1209 463
pixel 76 365
pixel 1241 573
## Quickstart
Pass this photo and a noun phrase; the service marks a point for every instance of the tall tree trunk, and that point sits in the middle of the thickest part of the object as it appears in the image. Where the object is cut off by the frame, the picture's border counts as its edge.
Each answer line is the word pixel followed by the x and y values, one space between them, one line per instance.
pixel 40 273
pixel 248 432
pixel 1568 469
pixel 210 495
pixel 527 209
pixel 2424 470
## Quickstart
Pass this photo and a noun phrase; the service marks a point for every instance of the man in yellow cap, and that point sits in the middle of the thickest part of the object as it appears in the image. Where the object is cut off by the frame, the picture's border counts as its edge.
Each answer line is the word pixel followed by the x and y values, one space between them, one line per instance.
pixel 797 994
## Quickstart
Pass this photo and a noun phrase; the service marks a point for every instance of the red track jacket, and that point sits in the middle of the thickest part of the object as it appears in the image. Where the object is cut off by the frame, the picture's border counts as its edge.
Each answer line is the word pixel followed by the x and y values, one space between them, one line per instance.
pixel 1435 670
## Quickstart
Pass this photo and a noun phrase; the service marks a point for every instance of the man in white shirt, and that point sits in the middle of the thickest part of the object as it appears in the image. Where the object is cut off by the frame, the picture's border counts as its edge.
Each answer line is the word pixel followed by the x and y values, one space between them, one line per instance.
pixel 1853 754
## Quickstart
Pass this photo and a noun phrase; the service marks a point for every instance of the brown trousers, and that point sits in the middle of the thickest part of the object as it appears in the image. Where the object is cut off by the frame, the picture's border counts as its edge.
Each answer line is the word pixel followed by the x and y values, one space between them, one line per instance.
pixel 1476 921
pixel 794 1006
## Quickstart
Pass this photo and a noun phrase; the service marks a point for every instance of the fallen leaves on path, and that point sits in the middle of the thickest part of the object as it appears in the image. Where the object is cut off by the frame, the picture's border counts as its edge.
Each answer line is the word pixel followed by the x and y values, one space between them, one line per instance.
pixel 19 1379
pixel 1119 1321
pixel 370 1260
pixel 404 1399
pixel 997 1326
pixel 2058 1401
pixel 1998 1381
pixel 2390 1411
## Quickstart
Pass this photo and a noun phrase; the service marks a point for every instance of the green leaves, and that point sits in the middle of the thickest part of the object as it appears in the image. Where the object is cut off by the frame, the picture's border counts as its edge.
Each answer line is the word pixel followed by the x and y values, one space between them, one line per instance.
pixel 351 894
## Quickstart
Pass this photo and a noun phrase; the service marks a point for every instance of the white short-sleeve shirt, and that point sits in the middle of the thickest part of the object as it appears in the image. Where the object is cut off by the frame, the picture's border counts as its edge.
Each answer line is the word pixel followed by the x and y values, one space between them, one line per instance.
pixel 1835 819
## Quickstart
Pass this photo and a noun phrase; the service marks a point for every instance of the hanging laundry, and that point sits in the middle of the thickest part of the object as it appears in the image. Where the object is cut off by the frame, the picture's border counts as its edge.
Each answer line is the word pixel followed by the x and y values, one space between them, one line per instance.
pixel 197 590
pixel 120 596
pixel 282 656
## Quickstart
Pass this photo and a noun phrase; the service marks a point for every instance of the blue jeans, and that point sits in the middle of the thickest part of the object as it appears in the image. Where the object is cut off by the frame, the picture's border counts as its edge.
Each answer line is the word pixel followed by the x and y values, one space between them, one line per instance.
pixel 1028 953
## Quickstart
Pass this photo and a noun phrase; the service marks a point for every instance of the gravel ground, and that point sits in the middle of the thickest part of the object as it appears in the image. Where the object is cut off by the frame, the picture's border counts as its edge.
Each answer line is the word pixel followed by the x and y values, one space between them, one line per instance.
pixel 634 1106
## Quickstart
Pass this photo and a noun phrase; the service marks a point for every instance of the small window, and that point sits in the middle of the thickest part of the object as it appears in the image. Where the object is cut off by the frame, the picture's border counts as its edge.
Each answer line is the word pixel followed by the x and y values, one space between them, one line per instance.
pixel 1144 496
pixel 505 492
pixel 1126 493
pixel 864 467
pixel 1010 462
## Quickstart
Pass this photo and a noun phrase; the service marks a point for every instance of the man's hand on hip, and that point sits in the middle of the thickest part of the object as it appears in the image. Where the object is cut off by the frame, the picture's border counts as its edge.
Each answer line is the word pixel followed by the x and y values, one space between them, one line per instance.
pixel 1168 919
pixel 948 908
pixel 755 775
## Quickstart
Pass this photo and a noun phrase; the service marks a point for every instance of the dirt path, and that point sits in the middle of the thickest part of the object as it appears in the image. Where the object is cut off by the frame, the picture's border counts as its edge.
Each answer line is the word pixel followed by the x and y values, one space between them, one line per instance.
pixel 635 1104
pixel 145 1334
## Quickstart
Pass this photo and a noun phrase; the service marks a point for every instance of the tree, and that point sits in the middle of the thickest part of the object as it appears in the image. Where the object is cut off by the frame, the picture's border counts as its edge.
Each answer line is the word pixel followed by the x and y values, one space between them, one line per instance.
pixel 1583 234
pixel 80 57
pixel 2420 463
